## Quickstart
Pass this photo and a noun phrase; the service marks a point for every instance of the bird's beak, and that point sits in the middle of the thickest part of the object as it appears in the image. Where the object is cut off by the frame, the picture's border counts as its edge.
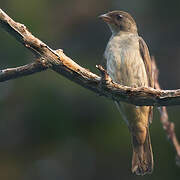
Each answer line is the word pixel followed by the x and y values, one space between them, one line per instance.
pixel 105 17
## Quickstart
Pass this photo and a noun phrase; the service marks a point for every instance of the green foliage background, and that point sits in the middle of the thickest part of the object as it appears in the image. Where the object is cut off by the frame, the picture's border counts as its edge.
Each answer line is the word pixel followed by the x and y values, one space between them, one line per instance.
pixel 51 128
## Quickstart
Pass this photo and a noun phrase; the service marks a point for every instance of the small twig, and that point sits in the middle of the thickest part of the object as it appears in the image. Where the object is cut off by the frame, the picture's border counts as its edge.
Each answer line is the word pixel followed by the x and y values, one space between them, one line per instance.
pixel 168 126
pixel 105 78
pixel 28 69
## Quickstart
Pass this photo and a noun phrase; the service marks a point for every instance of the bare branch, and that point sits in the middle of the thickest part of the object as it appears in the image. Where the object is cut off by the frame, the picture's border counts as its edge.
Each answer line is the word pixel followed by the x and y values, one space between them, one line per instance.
pixel 12 73
pixel 65 66
pixel 168 126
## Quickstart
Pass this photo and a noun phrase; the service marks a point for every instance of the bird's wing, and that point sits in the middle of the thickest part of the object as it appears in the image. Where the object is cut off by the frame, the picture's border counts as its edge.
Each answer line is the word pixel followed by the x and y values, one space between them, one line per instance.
pixel 147 61
pixel 148 66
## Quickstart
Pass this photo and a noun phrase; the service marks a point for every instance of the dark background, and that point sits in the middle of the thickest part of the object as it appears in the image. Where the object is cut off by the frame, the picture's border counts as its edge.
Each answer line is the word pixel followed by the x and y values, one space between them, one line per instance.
pixel 50 127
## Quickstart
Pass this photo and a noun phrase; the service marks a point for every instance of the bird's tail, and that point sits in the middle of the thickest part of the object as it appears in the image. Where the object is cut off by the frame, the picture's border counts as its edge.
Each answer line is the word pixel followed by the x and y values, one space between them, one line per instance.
pixel 142 160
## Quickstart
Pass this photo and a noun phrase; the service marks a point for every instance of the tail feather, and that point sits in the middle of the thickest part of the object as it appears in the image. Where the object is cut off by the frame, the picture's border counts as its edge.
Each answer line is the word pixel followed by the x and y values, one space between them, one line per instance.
pixel 142 160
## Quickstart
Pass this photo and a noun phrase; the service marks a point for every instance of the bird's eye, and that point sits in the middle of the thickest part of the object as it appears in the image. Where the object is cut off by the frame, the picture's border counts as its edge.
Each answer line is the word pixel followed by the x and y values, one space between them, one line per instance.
pixel 119 17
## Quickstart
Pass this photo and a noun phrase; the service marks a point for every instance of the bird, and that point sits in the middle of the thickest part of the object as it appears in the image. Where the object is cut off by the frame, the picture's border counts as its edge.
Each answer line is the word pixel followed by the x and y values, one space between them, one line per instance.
pixel 128 63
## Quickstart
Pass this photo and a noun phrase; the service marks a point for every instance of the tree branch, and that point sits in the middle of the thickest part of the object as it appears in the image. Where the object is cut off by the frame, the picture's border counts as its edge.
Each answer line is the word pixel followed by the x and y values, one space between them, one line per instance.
pixel 59 62
pixel 168 126
pixel 12 73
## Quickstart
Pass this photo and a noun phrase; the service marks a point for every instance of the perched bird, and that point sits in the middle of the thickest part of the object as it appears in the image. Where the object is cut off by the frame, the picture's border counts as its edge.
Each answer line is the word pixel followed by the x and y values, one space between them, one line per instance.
pixel 129 64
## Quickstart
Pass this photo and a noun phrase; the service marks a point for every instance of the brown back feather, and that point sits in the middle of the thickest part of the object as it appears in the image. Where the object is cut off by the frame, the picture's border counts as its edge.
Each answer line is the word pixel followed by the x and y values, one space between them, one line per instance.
pixel 148 66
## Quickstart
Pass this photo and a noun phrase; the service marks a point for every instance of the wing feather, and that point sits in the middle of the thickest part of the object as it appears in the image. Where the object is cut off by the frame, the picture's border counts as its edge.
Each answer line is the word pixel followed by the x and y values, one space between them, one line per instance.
pixel 148 66
pixel 147 61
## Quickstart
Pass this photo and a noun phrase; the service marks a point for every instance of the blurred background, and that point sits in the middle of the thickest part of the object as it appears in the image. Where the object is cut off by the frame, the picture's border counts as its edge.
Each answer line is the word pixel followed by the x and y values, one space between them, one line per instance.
pixel 50 127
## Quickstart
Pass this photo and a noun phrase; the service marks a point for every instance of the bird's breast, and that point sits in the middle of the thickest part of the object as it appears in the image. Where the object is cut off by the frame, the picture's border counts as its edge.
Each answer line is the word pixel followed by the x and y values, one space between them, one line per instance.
pixel 124 62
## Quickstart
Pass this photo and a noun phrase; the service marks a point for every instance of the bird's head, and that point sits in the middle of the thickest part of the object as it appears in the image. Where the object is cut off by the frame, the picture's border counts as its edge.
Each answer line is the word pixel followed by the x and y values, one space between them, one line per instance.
pixel 119 21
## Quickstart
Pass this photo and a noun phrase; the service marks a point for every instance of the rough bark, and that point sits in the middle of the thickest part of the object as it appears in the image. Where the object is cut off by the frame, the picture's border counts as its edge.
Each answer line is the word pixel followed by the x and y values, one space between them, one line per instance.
pixel 62 64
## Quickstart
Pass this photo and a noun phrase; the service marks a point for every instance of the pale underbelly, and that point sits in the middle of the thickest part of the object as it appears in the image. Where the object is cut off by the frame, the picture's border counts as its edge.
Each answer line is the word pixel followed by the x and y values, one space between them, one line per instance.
pixel 127 71
pixel 126 67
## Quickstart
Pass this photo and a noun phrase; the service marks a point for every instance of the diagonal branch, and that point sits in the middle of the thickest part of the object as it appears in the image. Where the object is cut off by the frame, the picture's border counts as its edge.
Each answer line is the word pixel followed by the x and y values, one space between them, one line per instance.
pixel 168 126
pixel 59 62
